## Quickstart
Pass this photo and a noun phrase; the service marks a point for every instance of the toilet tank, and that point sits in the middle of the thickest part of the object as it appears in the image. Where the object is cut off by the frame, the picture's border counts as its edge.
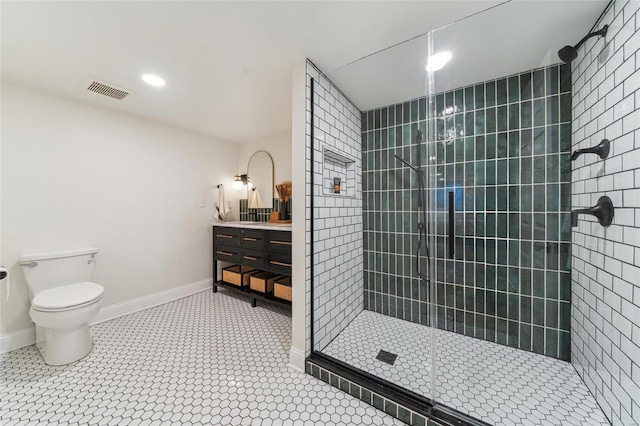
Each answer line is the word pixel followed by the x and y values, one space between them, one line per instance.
pixel 46 270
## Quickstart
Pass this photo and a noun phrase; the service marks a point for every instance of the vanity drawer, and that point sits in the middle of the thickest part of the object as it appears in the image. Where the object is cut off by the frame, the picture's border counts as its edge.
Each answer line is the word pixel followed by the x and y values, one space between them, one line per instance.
pixel 228 253
pixel 227 236
pixel 253 238
pixel 253 258
pixel 238 275
pixel 279 241
pixel 282 288
pixel 263 282
pixel 279 262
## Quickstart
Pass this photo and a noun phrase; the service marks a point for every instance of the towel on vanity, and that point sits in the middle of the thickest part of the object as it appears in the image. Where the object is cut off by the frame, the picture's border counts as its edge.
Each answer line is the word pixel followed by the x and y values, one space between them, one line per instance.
pixel 255 202
pixel 222 207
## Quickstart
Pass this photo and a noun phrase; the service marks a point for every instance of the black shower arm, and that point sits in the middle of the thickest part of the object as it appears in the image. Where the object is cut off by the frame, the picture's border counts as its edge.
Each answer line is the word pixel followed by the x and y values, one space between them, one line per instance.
pixel 417 169
pixel 602 32
pixel 406 163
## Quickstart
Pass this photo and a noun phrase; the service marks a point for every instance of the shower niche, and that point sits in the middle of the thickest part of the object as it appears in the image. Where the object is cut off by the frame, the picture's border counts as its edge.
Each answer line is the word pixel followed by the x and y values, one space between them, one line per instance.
pixel 338 174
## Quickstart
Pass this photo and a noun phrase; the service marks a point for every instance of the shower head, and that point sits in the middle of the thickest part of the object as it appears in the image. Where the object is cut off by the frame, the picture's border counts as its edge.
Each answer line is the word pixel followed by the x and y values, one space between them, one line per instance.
pixel 569 53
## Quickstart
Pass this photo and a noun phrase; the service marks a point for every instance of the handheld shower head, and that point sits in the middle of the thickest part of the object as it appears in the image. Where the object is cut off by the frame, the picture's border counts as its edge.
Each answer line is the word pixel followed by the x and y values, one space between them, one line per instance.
pixel 569 53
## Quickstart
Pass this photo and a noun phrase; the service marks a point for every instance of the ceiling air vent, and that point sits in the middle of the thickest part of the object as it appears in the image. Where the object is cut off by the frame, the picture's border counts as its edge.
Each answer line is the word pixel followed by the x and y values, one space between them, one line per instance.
pixel 106 89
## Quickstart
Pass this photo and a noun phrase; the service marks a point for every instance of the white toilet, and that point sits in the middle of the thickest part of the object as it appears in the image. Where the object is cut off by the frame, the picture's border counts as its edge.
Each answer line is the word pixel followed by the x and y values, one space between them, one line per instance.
pixel 63 301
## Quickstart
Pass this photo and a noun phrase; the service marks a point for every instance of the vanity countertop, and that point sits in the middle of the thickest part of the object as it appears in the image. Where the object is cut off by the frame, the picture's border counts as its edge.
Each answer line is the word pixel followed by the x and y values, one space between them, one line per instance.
pixel 255 225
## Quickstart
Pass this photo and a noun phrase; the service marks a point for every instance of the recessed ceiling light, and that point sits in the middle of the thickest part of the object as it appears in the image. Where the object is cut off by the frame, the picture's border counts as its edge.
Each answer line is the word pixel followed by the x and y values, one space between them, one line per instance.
pixel 153 80
pixel 437 61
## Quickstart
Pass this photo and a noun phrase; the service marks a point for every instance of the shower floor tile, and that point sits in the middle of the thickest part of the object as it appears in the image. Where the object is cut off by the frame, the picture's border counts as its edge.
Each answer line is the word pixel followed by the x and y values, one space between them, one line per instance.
pixel 495 383
pixel 205 359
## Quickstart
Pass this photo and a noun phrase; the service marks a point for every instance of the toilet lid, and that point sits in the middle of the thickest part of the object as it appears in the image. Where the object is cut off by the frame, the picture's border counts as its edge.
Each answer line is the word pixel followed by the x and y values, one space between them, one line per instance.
pixel 67 296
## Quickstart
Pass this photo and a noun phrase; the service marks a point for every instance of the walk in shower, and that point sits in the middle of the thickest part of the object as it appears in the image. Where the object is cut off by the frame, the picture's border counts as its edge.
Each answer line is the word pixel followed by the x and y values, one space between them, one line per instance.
pixel 443 275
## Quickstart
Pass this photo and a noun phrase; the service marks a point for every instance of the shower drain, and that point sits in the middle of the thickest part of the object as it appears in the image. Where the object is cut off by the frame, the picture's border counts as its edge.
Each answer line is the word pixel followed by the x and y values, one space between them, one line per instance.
pixel 387 357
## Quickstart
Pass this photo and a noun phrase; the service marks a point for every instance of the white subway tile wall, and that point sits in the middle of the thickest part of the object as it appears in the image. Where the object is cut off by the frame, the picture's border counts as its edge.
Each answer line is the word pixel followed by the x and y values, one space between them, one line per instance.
pixel 605 321
pixel 337 220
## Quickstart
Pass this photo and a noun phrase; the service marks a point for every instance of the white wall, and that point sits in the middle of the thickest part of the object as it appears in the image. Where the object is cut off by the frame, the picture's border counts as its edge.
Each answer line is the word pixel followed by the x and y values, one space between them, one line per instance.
pixel 75 175
pixel 605 325
pixel 279 147
pixel 301 226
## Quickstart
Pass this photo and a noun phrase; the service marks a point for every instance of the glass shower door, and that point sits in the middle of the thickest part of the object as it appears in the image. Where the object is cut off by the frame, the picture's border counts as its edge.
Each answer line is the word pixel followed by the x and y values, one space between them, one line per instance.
pixel 500 110
pixel 385 330
pixel 465 308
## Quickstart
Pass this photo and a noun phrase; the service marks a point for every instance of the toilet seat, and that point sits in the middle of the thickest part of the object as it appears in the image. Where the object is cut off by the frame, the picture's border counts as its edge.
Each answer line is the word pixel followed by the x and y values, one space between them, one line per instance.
pixel 67 297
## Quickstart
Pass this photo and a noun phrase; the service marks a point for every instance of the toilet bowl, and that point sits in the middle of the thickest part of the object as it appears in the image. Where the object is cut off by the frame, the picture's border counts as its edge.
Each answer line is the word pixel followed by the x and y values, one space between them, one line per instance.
pixel 62 316
pixel 63 302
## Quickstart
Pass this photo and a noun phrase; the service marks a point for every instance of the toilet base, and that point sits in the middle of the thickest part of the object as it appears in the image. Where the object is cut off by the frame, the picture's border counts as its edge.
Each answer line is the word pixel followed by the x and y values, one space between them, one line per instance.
pixel 63 346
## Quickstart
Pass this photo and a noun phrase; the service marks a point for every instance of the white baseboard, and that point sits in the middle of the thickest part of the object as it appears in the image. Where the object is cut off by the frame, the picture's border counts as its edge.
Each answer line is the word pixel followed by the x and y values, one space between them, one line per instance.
pixel 149 301
pixel 297 359
pixel 19 339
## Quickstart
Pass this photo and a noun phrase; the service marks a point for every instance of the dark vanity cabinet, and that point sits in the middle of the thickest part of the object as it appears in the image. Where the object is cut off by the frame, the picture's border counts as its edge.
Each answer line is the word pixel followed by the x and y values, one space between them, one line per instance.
pixel 278 251
pixel 261 249
pixel 227 244
pixel 253 253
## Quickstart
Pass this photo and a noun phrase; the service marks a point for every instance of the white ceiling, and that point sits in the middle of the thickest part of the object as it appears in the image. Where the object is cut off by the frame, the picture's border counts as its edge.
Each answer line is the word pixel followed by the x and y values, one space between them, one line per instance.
pixel 514 37
pixel 227 64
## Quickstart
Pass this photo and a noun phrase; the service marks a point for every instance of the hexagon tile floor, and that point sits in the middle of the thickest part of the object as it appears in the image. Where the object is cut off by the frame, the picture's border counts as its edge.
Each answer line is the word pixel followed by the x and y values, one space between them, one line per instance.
pixel 494 383
pixel 206 359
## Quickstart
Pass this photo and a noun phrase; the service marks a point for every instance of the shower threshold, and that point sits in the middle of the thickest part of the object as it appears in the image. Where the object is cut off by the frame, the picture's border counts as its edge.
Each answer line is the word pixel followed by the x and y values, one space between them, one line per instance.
pixel 496 384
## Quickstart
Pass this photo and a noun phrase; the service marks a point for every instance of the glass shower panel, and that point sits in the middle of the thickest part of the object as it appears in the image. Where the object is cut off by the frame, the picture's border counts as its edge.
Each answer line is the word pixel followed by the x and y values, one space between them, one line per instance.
pixel 465 308
pixel 501 110
pixel 376 316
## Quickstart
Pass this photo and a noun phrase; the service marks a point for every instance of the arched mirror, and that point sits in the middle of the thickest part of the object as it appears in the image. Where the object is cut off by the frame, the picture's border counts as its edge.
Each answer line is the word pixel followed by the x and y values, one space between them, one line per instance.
pixel 260 172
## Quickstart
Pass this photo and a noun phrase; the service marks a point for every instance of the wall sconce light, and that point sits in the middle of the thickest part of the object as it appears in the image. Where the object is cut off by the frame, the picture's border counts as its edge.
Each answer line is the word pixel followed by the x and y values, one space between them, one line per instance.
pixel 240 181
